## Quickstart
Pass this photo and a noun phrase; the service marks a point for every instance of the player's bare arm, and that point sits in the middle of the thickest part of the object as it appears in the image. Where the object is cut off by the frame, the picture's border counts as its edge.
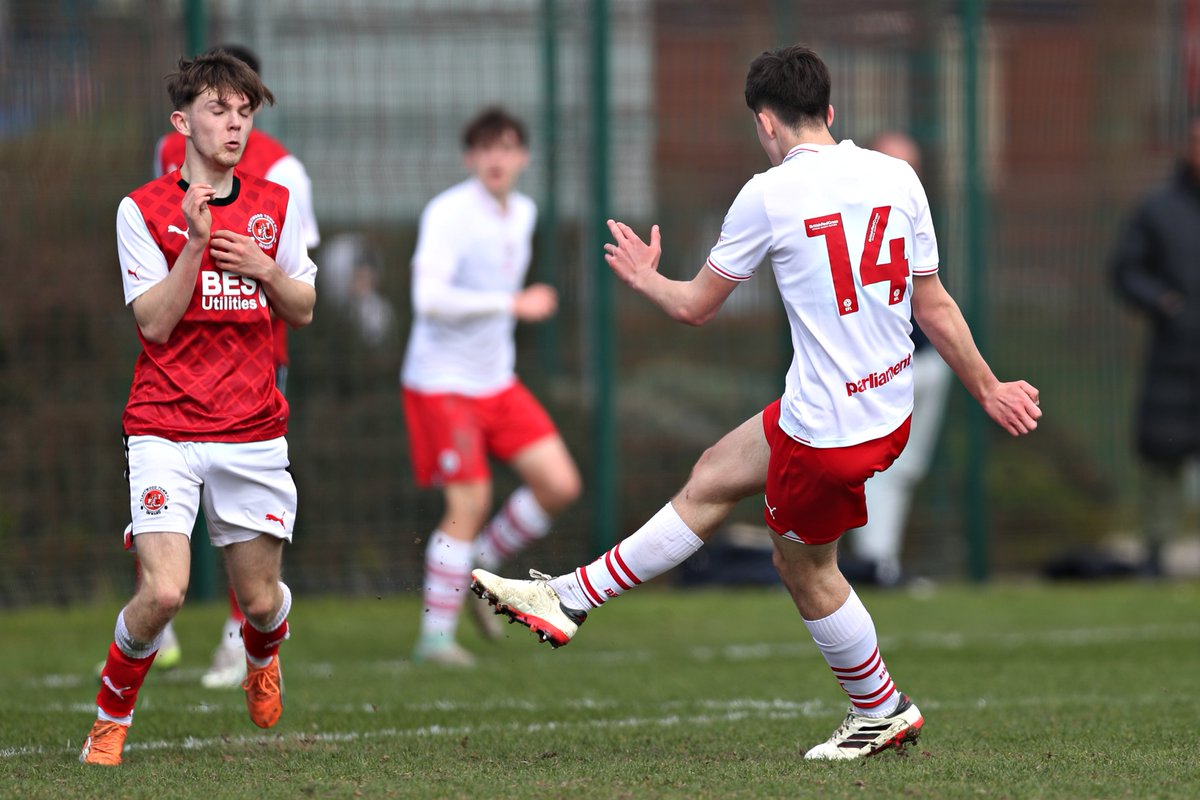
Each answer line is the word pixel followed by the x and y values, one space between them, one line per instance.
pixel 536 302
pixel 160 308
pixel 635 262
pixel 1012 405
pixel 291 300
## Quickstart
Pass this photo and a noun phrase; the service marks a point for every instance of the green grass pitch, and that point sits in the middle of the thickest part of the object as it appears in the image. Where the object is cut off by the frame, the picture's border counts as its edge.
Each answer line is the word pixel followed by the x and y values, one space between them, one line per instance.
pixel 1028 691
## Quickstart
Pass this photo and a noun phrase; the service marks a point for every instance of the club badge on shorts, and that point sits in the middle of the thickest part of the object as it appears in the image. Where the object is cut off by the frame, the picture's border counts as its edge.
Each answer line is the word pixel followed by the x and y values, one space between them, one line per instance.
pixel 154 500
pixel 449 462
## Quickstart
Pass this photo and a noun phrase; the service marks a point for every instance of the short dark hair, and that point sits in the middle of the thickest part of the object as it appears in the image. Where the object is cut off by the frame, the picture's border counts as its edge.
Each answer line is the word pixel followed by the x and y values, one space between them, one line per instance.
pixel 241 53
pixel 220 71
pixel 489 125
pixel 793 82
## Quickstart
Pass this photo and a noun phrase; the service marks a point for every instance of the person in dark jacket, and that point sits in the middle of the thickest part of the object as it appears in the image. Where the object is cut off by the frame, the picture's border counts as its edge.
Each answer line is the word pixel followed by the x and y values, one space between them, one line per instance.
pixel 1157 270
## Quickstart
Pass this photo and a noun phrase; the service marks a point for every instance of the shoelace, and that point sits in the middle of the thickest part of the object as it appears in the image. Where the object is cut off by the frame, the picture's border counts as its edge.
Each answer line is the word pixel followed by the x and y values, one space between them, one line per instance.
pixel 262 681
pixel 539 576
pixel 845 726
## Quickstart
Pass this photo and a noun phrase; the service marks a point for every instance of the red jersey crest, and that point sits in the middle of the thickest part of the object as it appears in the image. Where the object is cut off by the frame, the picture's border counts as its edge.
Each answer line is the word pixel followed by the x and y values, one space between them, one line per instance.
pixel 264 230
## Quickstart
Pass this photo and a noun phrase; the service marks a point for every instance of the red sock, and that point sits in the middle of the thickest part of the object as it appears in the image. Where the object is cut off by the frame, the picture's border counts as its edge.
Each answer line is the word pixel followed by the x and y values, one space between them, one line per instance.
pixel 120 681
pixel 263 645
pixel 235 611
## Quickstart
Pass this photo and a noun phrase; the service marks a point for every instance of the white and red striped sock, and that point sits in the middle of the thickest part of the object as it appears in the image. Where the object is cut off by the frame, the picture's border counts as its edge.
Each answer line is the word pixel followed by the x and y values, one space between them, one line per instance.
pixel 847 640
pixel 447 575
pixel 518 524
pixel 661 544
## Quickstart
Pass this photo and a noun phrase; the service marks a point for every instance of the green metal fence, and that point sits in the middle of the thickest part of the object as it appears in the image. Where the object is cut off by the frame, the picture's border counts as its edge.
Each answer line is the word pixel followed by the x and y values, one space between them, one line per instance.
pixel 1041 123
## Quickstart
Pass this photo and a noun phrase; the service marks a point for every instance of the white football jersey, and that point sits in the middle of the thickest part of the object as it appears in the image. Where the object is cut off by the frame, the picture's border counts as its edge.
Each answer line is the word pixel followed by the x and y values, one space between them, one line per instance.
pixel 470 261
pixel 845 230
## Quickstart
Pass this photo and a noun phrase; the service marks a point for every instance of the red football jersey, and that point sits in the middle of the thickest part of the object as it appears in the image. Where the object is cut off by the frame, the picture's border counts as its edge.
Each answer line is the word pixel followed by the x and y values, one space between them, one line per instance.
pixel 262 152
pixel 214 378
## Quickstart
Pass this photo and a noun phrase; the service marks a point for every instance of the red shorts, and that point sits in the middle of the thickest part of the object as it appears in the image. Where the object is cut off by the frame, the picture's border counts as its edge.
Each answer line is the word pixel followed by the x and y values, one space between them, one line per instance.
pixel 450 436
pixel 815 494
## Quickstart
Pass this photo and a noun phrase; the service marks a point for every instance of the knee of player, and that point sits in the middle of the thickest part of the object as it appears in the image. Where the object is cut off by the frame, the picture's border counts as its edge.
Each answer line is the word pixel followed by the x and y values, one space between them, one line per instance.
pixel 263 605
pixel 791 572
pixel 168 598
pixel 564 491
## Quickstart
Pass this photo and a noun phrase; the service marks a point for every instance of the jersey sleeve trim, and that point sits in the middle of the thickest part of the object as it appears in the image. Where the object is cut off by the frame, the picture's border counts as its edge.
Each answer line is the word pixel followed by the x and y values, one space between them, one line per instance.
pixel 715 267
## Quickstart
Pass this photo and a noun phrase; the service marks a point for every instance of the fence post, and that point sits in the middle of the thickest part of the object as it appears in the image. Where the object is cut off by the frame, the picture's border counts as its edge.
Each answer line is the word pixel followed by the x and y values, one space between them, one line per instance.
pixel 204 557
pixel 976 233
pixel 603 327
pixel 548 267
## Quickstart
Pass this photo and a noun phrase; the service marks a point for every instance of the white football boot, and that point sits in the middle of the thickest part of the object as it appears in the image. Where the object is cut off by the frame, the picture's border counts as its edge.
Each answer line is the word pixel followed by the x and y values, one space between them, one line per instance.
pixel 859 736
pixel 532 603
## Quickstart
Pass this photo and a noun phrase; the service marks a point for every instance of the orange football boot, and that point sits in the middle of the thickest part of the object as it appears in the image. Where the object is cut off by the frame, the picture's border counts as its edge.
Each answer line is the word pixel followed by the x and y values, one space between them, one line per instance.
pixel 264 693
pixel 104 744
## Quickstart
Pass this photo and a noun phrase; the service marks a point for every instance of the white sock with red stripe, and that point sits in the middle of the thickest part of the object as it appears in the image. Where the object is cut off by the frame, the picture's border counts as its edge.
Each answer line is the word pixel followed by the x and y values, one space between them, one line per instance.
pixel 661 544
pixel 447 575
pixel 847 640
pixel 517 525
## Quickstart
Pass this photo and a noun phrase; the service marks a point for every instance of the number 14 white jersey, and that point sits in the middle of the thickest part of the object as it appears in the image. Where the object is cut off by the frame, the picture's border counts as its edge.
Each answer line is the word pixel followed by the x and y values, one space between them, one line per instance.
pixel 845 230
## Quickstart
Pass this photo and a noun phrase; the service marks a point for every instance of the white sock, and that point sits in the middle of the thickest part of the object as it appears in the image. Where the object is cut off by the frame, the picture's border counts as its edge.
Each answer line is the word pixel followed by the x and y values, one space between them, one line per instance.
pixel 520 522
pixel 231 633
pixel 130 646
pixel 847 640
pixel 447 576
pixel 661 544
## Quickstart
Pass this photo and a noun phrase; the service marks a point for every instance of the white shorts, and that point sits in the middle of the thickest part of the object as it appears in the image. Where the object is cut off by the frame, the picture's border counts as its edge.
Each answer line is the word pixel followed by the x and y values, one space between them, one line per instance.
pixel 245 488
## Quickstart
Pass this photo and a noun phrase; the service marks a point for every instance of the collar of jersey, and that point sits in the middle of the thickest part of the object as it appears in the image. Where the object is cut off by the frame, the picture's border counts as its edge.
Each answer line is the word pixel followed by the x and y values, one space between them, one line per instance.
pixel 806 148
pixel 486 198
pixel 218 201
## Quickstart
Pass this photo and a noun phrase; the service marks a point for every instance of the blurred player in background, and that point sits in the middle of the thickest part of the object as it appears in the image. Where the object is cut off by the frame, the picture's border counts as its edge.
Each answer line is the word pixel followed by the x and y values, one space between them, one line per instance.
pixel 1156 268
pixel 848 234
pixel 264 157
pixel 877 545
pixel 207 255
pixel 462 399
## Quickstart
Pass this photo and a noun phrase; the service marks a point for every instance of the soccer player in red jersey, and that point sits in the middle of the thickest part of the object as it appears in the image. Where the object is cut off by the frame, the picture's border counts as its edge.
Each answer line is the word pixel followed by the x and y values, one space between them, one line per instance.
pixel 207 254
pixel 264 157
pixel 849 237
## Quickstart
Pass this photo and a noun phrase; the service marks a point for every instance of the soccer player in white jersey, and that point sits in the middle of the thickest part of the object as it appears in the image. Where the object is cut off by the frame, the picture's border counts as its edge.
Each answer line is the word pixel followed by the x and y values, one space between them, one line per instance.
pixel 463 401
pixel 848 235
pixel 207 254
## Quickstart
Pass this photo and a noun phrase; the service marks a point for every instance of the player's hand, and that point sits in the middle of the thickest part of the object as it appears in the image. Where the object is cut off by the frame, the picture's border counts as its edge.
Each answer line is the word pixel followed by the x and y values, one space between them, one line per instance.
pixel 536 302
pixel 234 252
pixel 196 212
pixel 1014 407
pixel 629 257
